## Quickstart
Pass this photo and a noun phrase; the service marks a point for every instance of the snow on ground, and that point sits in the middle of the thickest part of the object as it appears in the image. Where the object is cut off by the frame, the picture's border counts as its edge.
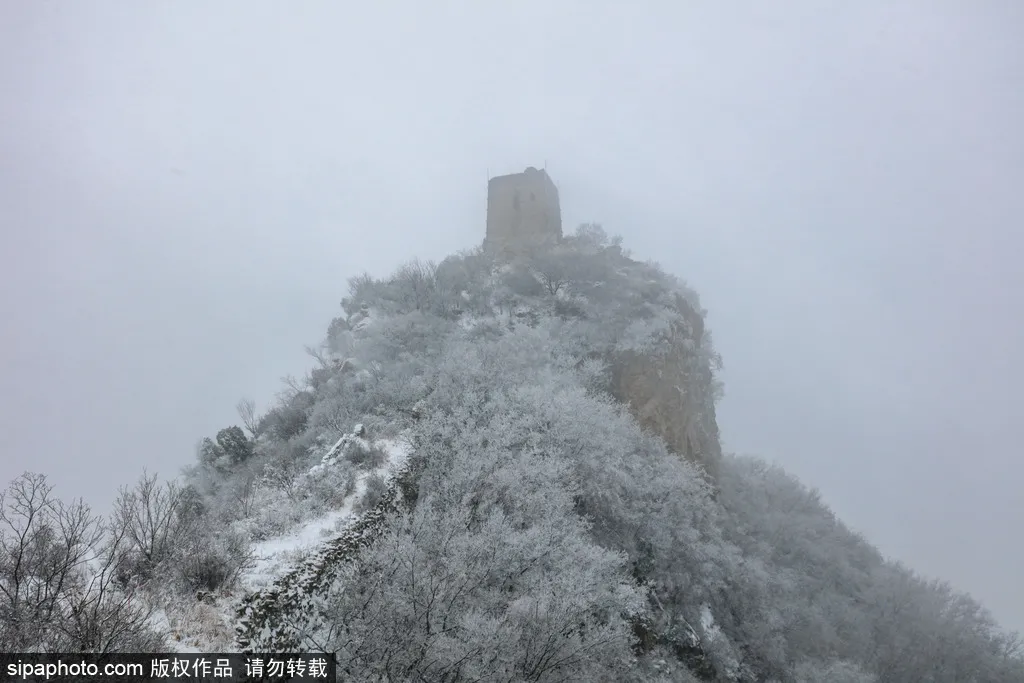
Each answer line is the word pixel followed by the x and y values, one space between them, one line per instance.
pixel 707 622
pixel 274 556
pixel 398 452
pixel 176 641
pixel 196 626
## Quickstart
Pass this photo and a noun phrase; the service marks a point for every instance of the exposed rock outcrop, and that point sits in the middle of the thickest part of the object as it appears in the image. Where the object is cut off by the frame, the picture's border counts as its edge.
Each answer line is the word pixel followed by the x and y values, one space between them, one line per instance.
pixel 670 389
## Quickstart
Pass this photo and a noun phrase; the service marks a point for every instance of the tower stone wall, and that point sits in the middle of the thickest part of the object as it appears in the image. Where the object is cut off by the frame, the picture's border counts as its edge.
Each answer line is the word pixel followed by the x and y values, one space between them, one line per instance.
pixel 522 211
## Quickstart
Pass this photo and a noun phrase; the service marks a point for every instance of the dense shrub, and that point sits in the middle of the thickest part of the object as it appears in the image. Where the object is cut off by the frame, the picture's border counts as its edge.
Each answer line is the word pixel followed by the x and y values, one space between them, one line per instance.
pixel 213 562
pixel 365 456
pixel 376 485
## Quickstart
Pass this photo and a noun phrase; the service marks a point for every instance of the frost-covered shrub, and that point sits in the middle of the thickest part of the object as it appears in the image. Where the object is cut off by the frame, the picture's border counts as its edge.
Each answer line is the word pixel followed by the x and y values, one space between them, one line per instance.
pixel 276 514
pixel 365 455
pixel 522 282
pixel 415 286
pixel 326 488
pixel 286 493
pixel 492 575
pixel 376 485
pixel 288 419
pixel 569 309
pixel 338 404
pixel 213 562
pixel 133 568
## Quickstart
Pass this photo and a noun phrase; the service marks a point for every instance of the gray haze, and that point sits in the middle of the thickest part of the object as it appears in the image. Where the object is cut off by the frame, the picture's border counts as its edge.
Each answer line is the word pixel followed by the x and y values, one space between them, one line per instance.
pixel 185 188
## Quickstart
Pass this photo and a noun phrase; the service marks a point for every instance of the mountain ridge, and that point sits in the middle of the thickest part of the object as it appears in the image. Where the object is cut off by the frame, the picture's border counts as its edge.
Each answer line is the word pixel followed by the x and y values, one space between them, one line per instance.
pixel 564 511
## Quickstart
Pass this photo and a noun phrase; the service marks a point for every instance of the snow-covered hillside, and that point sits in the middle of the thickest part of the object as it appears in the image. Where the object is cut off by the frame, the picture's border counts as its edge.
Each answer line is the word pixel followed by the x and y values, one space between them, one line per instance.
pixel 273 556
pixel 210 622
pixel 496 471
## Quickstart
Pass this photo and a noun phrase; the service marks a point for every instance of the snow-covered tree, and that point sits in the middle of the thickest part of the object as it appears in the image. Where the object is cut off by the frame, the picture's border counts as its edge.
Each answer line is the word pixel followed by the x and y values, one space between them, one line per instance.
pixel 59 569
pixel 492 577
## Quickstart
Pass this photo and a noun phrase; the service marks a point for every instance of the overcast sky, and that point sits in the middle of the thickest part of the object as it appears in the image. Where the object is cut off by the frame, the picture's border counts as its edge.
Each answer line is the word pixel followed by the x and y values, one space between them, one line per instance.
pixel 185 188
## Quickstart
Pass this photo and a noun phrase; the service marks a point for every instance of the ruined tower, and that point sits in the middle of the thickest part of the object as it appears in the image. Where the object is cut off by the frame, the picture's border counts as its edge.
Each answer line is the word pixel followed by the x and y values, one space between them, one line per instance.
pixel 522 211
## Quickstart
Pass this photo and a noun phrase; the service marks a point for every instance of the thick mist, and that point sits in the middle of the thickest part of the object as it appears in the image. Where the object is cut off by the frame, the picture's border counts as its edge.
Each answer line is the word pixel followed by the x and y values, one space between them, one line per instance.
pixel 185 188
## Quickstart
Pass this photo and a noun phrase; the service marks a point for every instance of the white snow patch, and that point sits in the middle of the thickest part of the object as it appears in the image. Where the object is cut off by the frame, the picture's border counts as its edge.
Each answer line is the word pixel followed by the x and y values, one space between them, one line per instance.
pixel 274 556
pixel 176 641
pixel 398 452
pixel 707 622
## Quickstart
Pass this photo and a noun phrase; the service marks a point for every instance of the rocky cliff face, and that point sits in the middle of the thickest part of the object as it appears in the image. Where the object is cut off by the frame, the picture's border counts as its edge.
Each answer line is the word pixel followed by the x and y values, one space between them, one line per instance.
pixel 670 389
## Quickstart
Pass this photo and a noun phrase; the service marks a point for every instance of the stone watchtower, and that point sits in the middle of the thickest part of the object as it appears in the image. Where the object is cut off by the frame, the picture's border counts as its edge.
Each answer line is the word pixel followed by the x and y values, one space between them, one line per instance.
pixel 522 211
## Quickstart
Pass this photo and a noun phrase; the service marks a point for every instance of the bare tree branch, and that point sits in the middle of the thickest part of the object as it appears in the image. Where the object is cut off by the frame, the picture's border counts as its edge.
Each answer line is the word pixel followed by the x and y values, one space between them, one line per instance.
pixel 250 419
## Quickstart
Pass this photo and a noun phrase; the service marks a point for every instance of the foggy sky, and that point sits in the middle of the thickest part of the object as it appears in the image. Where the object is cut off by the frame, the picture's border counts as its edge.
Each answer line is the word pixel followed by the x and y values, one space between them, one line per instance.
pixel 186 187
